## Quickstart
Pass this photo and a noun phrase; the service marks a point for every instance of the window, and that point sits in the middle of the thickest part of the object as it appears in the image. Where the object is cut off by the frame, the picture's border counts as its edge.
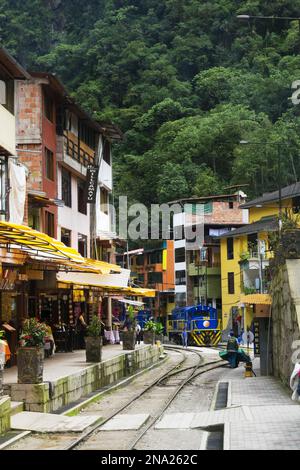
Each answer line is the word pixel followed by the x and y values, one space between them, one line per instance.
pixel 139 260
pixel 141 278
pixel 155 257
pixel 155 278
pixel 106 152
pixel 230 204
pixel 49 164
pixel 82 245
pixel 66 236
pixel 104 200
pixel 87 135
pixel 230 283
pixel 48 107
pixel 81 197
pixel 7 94
pixel 230 253
pixel 49 224
pixel 180 299
pixel 296 205
pixel 252 244
pixel 66 192
pixel 180 278
pixel 179 255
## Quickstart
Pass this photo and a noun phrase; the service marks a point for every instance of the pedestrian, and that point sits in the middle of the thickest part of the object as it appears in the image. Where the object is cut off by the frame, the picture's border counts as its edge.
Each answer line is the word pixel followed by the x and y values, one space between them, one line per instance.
pixel 184 337
pixel 138 330
pixel 232 350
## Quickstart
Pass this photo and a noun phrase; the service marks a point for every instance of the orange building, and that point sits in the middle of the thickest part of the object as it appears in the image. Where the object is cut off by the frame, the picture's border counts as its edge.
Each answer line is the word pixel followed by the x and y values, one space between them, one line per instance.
pixel 153 267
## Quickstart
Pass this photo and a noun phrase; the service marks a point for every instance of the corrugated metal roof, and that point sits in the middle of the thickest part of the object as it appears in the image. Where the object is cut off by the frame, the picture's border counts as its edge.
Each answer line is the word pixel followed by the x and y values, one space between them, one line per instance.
pixel 289 191
pixel 266 224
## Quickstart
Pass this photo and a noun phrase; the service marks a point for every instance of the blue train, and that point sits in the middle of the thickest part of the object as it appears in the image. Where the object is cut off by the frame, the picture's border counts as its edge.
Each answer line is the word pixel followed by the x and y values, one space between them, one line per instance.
pixel 202 325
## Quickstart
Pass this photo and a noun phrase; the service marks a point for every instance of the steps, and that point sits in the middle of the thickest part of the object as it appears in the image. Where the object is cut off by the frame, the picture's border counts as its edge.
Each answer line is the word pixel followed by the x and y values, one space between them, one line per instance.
pixel 16 407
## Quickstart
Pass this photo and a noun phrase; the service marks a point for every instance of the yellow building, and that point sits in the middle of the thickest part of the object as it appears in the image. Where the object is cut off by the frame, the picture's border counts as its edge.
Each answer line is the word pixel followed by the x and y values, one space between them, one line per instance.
pixel 245 255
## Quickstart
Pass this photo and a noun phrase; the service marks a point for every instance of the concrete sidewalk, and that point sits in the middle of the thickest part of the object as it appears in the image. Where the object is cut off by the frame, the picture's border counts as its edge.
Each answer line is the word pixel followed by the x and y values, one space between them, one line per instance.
pixel 273 419
pixel 62 364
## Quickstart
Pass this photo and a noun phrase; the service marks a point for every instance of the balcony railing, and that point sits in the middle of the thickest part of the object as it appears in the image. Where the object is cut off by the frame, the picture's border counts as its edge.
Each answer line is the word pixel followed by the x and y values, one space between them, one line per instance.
pixel 80 152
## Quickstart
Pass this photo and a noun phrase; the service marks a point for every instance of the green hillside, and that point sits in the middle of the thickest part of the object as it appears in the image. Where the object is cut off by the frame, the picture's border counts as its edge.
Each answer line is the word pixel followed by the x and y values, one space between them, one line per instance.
pixel 185 80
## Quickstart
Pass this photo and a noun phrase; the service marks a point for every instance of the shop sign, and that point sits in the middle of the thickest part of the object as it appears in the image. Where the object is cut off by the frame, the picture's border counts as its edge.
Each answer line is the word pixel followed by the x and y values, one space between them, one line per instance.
pixel 256 338
pixel 91 183
pixel 6 284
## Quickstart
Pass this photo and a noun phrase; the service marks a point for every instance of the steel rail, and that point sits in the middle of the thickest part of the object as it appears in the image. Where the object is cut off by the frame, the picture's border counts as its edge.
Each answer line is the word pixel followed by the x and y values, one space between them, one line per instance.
pixel 204 368
pixel 94 428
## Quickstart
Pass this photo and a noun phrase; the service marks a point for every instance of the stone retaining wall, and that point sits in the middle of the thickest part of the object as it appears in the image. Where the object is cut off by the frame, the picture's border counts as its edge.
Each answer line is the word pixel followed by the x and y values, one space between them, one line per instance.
pixel 285 292
pixel 4 414
pixel 50 396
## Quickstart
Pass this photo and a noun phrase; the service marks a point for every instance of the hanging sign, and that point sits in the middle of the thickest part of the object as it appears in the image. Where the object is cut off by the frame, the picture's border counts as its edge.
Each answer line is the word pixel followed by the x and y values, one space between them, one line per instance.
pixel 91 183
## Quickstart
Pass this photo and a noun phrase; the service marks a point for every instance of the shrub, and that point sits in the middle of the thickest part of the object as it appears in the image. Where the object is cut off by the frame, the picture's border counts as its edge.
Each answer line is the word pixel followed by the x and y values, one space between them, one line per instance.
pixel 94 328
pixel 33 333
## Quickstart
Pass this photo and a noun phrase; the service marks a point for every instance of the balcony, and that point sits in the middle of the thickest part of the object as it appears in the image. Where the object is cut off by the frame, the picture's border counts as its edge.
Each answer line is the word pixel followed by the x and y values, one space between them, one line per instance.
pixel 78 150
pixel 7 132
pixel 251 260
pixel 251 281
pixel 212 269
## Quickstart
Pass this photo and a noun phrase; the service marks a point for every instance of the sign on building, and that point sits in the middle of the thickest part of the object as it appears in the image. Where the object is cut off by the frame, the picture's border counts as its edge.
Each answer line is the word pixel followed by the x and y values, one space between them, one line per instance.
pixel 91 183
pixel 256 338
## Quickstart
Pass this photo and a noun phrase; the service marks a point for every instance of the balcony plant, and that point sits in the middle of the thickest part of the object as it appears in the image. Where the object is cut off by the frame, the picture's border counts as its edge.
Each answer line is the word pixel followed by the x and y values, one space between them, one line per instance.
pixel 30 354
pixel 129 333
pixel 93 340
pixel 149 332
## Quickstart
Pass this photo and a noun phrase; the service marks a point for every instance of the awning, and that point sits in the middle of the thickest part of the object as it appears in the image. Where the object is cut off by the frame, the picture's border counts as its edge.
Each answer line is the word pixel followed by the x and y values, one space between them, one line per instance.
pixel 132 302
pixel 105 280
pixel 40 247
pixel 261 299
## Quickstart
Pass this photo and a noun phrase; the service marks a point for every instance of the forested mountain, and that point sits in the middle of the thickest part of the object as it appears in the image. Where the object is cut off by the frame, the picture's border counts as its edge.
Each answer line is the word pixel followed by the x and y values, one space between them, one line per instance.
pixel 185 80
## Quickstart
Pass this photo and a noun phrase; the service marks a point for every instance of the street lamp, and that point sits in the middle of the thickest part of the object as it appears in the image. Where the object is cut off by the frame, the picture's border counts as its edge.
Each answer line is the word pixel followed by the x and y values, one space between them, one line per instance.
pixel 249 17
pixel 245 142
pixel 257 17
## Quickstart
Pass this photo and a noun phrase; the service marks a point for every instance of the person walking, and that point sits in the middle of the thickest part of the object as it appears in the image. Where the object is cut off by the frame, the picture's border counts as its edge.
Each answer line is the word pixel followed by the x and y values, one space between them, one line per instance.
pixel 232 349
pixel 138 331
pixel 184 337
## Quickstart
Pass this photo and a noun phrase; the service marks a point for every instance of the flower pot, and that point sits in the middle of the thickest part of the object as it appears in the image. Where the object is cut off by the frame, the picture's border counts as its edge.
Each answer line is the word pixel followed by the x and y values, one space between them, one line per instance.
pixel 93 349
pixel 129 338
pixel 149 337
pixel 30 363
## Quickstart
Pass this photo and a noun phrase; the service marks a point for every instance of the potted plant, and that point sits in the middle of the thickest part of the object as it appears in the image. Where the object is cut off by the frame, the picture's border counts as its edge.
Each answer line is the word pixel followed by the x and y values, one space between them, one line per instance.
pixel 149 332
pixel 93 340
pixel 129 333
pixel 30 354
pixel 159 332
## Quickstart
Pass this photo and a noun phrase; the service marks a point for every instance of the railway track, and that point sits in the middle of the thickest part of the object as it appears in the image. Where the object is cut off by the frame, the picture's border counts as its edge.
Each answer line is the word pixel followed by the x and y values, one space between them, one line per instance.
pixel 191 372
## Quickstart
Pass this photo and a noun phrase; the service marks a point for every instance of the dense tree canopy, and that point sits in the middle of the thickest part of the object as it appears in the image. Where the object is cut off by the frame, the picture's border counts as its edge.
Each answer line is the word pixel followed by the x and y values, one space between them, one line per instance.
pixel 186 81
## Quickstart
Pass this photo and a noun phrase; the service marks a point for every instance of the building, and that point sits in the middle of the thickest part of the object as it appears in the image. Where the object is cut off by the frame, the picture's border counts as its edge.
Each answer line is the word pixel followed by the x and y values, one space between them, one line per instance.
pixel 153 267
pixel 198 269
pixel 62 147
pixel 245 257
pixel 11 74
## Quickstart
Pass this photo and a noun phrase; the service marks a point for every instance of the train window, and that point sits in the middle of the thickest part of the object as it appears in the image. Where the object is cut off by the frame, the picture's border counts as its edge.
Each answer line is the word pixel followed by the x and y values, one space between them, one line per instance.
pixel 230 283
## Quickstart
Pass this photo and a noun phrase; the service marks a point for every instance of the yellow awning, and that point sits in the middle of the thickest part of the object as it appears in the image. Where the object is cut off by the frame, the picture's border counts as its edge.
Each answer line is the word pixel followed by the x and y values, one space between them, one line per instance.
pixel 262 299
pixel 41 247
pixel 129 291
